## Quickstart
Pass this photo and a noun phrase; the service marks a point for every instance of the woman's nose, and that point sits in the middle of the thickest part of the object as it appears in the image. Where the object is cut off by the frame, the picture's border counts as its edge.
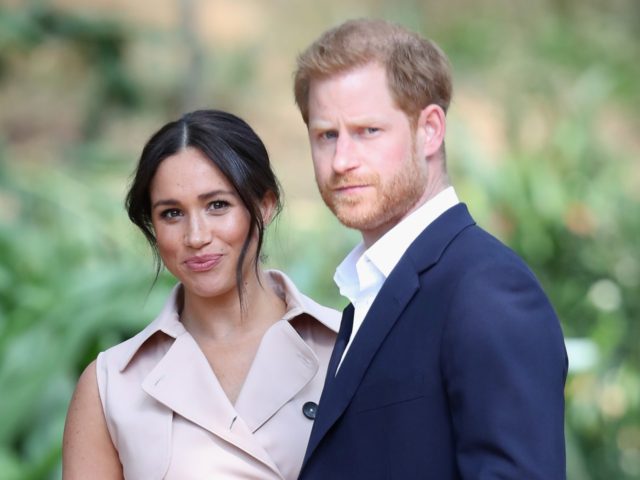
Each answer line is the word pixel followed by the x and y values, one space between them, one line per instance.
pixel 197 234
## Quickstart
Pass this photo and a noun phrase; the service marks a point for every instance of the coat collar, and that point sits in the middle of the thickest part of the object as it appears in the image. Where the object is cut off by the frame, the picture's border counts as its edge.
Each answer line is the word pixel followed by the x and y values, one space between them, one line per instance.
pixel 427 249
pixel 396 293
pixel 168 321
pixel 298 303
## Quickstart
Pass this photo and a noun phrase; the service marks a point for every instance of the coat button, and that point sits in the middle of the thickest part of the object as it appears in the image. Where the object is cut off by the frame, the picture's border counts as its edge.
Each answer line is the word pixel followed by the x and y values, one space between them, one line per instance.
pixel 309 410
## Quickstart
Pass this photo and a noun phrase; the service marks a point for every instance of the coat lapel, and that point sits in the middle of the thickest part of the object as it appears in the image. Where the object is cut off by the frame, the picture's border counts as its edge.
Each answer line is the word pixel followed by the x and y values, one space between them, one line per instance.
pixel 397 291
pixel 282 355
pixel 184 382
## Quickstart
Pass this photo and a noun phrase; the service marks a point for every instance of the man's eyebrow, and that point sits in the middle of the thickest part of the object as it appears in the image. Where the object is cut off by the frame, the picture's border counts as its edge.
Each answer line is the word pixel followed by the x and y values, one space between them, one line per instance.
pixel 320 125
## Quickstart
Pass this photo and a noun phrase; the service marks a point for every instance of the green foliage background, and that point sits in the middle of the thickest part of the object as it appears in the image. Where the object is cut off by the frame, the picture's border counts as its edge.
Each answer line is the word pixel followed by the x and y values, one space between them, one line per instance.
pixel 542 144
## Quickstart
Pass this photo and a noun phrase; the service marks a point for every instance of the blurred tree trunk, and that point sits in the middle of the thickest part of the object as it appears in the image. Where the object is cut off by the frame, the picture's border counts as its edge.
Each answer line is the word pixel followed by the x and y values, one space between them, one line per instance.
pixel 191 89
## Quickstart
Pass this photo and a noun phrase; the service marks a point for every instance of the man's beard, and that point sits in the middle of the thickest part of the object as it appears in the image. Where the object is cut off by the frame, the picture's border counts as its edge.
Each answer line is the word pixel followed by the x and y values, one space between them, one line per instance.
pixel 389 202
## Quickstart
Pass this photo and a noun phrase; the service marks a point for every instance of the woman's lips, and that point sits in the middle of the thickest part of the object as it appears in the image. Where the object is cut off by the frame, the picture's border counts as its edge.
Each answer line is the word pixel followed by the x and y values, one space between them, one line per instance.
pixel 202 263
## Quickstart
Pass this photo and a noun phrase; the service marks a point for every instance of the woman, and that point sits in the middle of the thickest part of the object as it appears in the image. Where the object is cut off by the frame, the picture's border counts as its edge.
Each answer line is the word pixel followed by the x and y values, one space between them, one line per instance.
pixel 225 381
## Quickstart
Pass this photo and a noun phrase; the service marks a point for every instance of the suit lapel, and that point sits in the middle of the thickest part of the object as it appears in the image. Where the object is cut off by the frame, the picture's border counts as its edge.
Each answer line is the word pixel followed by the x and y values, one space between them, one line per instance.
pixel 384 313
pixel 397 291
pixel 184 382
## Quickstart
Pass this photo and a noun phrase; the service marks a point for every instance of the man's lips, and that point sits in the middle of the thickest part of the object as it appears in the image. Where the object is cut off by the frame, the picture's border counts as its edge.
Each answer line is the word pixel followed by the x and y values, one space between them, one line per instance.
pixel 202 263
pixel 349 188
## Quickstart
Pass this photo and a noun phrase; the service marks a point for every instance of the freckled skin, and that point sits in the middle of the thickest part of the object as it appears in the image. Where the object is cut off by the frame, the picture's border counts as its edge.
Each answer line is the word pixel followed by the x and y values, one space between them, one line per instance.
pixel 196 212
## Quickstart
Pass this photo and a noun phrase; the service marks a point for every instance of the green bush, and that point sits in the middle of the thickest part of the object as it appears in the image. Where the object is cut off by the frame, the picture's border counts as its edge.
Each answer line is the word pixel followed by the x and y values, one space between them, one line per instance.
pixel 557 81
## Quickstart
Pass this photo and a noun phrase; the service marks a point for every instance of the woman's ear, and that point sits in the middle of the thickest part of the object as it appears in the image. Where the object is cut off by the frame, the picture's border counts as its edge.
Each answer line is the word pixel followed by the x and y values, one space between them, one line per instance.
pixel 432 126
pixel 268 207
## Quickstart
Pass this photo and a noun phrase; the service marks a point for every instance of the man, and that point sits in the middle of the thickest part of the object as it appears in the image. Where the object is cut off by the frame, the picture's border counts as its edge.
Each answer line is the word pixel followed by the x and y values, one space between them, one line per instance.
pixel 454 365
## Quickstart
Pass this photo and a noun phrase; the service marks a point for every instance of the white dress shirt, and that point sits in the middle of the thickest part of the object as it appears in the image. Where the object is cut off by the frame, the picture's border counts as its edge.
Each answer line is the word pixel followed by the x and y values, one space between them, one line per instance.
pixel 362 273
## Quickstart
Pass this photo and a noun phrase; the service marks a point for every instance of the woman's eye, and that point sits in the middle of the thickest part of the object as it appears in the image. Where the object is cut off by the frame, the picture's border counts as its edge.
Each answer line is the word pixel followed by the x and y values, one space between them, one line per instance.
pixel 171 213
pixel 218 205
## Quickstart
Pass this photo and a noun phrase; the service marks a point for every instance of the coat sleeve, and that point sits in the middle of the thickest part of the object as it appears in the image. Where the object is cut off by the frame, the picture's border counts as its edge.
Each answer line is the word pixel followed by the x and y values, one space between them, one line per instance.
pixel 504 368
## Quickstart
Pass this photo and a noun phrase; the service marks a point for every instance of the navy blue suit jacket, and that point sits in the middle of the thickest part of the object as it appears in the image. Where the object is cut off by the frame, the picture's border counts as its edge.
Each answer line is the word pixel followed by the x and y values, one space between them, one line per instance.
pixel 457 372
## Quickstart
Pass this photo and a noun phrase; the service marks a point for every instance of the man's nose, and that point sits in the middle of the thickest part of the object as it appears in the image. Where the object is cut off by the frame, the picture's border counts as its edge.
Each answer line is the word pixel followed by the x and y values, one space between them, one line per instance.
pixel 345 157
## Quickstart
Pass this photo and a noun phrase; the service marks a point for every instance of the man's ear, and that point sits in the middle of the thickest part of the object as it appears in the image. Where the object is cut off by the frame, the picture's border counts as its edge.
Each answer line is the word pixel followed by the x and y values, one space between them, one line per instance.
pixel 268 207
pixel 431 129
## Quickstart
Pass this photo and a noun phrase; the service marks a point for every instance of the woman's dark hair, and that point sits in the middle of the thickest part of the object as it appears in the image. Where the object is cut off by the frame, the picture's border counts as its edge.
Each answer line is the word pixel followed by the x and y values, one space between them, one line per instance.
pixel 233 147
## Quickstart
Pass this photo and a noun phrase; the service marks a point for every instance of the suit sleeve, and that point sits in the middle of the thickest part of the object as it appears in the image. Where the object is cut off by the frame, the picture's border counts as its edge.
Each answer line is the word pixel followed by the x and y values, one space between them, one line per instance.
pixel 504 366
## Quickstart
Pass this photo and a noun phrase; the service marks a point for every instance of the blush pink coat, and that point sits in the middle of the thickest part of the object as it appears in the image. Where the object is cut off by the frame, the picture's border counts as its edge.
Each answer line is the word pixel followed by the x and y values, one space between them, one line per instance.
pixel 169 418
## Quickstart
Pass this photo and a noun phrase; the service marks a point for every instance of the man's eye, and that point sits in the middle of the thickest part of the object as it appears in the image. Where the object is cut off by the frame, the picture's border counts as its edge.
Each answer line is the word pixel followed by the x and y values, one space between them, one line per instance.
pixel 371 130
pixel 329 135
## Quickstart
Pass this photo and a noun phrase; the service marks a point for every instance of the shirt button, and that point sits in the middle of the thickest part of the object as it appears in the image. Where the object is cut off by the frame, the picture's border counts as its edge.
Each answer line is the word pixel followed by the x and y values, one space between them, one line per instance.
pixel 309 410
